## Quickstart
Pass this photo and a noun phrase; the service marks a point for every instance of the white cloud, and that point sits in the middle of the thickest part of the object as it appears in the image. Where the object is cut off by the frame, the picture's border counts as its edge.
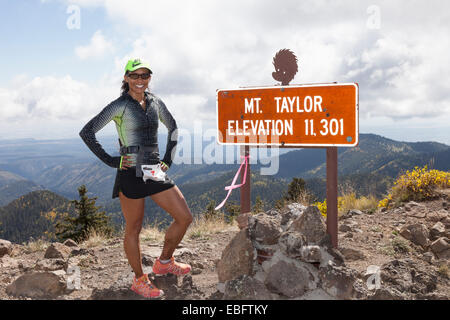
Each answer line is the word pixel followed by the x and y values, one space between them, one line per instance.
pixel 51 98
pixel 198 46
pixel 97 47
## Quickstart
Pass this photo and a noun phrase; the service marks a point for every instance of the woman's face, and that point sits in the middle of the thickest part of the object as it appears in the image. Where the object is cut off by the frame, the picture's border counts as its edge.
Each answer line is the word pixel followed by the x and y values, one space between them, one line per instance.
pixel 138 86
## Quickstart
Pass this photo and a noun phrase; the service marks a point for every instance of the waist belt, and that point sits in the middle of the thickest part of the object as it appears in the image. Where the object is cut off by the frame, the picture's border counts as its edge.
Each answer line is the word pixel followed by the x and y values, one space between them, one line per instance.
pixel 146 155
pixel 135 149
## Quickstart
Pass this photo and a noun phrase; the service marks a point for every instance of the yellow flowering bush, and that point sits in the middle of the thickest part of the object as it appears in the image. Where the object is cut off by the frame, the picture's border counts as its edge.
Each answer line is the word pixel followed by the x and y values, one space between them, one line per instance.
pixel 416 185
pixel 323 206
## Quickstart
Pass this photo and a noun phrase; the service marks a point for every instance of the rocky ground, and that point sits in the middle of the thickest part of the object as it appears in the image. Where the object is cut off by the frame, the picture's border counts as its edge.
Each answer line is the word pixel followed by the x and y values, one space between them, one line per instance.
pixel 401 253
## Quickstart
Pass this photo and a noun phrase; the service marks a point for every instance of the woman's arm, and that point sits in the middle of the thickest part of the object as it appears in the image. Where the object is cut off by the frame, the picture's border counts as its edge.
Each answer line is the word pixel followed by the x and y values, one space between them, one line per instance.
pixel 172 136
pixel 112 110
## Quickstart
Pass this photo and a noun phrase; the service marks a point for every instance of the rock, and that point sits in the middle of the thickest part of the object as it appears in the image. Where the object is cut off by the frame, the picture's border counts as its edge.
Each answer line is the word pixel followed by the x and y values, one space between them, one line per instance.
pixel 264 229
pixel 352 254
pixel 311 254
pixel 408 277
pixel 57 250
pixel 316 294
pixel 437 231
pixel 51 264
pixel 245 288
pixel 311 224
pixel 294 210
pixel 345 228
pixel 5 247
pixel 387 294
pixel 288 279
pixel 6 262
pixel 291 243
pixel 428 257
pixel 338 281
pixel 414 209
pixel 237 258
pixel 441 248
pixel 147 260
pixel 38 285
pixel 81 252
pixel 436 216
pixel 354 212
pixel 70 243
pixel 416 233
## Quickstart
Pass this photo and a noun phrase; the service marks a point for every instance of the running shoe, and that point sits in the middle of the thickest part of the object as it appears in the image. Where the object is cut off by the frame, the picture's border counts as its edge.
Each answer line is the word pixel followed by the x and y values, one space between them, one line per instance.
pixel 144 287
pixel 173 267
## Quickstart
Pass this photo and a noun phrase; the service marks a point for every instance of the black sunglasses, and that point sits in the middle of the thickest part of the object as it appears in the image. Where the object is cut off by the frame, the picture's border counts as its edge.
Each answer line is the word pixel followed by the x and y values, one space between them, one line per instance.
pixel 136 76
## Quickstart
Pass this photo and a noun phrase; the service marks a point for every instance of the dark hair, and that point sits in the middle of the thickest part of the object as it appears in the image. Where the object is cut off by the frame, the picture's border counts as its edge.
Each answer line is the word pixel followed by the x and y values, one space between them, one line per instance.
pixel 125 87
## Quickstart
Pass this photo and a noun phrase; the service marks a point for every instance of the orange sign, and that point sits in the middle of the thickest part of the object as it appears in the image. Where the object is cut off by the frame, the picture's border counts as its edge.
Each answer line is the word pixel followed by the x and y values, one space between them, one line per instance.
pixel 299 115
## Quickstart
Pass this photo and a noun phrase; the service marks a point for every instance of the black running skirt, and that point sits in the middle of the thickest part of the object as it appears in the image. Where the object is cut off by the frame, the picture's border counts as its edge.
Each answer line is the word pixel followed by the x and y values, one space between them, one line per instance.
pixel 135 188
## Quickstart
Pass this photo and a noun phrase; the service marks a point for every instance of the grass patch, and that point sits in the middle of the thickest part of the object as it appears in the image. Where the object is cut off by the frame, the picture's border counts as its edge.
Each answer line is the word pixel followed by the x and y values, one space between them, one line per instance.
pixel 396 245
pixel 95 238
pixel 203 227
pixel 153 233
pixel 444 271
pixel 36 245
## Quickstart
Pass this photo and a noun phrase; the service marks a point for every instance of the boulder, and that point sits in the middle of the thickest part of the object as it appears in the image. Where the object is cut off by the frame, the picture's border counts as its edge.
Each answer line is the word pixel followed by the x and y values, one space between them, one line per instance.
pixel 264 229
pixel 291 243
pixel 416 233
pixel 294 211
pixel 57 250
pixel 441 248
pixel 289 279
pixel 387 294
pixel 414 209
pixel 237 258
pixel 311 224
pixel 351 254
pixel 51 264
pixel 5 247
pixel 436 216
pixel 437 231
pixel 246 288
pixel 47 284
pixel 70 243
pixel 408 277
pixel 338 281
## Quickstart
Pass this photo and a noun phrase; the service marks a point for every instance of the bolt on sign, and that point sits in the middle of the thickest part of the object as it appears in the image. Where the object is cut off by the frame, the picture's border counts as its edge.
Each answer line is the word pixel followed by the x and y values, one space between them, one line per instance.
pixel 320 115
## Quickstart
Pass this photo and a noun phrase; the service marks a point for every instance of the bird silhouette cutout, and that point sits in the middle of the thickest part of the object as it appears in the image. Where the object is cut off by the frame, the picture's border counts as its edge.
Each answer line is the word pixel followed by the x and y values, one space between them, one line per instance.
pixel 285 63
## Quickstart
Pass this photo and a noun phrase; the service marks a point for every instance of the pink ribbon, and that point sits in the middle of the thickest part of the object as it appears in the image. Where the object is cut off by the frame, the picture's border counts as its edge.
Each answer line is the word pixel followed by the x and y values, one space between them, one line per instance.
pixel 233 185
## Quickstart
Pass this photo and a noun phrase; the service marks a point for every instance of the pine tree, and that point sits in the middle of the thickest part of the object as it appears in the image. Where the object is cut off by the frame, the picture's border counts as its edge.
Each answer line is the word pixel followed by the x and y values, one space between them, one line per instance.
pixel 259 205
pixel 89 219
pixel 295 189
pixel 210 212
pixel 233 210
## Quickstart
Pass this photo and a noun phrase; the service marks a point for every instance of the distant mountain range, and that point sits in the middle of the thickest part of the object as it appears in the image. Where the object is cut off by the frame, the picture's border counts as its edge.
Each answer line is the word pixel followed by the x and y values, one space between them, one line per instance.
pixel 61 166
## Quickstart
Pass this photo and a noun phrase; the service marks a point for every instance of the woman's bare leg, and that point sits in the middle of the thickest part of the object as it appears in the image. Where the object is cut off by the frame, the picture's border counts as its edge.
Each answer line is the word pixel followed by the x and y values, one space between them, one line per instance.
pixel 173 202
pixel 133 211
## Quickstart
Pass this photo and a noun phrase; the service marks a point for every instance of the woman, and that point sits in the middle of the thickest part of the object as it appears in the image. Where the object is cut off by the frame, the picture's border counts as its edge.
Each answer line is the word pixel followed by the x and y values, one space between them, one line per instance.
pixel 136 113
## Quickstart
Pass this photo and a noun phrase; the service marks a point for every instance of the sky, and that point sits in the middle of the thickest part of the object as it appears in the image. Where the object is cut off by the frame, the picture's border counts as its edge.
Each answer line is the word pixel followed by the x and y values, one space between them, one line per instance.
pixel 63 61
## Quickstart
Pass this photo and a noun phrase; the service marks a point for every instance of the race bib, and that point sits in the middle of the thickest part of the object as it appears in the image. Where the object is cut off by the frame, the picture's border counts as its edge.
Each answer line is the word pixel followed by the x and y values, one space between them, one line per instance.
pixel 153 172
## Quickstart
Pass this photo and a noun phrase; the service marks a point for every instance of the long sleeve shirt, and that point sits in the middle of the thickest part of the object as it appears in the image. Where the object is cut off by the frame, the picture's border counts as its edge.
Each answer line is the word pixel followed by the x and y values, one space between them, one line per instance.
pixel 135 126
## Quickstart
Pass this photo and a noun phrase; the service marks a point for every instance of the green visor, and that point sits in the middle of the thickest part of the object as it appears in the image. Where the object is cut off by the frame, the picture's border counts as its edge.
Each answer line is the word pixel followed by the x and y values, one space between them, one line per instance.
pixel 135 64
